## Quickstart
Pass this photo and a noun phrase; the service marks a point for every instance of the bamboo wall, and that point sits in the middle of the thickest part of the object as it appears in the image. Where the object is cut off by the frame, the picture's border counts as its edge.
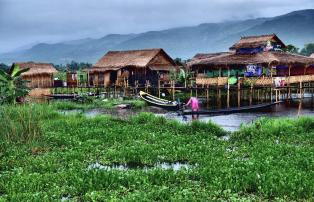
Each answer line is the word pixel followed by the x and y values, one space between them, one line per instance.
pixel 39 81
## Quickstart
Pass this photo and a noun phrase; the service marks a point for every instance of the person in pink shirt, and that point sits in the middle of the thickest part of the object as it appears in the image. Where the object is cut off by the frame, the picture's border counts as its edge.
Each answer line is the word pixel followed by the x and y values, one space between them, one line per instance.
pixel 193 101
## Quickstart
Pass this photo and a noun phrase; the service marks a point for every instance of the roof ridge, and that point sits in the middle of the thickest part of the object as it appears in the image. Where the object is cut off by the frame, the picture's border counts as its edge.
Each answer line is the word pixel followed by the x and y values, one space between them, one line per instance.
pixel 31 62
pixel 138 50
pixel 257 36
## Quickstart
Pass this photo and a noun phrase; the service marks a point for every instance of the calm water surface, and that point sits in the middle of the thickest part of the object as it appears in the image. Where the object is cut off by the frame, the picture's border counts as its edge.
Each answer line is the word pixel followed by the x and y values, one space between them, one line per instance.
pixel 230 122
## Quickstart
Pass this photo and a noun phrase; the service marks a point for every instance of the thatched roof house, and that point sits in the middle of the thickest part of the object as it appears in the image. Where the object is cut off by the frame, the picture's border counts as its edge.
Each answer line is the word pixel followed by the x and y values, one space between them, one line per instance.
pixel 262 53
pixel 40 75
pixel 225 60
pixel 115 60
pixel 135 65
pixel 257 42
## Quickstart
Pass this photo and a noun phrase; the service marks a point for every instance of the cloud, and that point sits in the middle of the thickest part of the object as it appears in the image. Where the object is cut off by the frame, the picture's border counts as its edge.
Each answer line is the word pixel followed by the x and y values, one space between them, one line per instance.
pixel 23 22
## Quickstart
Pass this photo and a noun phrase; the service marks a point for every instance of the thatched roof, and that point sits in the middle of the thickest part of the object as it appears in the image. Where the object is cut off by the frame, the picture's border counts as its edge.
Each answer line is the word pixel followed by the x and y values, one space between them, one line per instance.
pixel 272 58
pixel 115 60
pixel 201 56
pixel 163 68
pixel 37 68
pixel 256 41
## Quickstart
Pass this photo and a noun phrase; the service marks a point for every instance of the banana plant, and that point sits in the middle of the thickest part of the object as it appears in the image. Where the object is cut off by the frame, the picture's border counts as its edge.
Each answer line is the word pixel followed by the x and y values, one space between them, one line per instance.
pixel 12 85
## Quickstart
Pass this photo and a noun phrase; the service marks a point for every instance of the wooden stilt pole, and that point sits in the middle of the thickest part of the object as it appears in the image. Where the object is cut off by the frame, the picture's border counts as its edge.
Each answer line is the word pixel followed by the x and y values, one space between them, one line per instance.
pixel 207 94
pixel 228 90
pixel 191 94
pixel 239 94
pixel 300 90
pixel 158 87
pixel 219 98
pixel 251 94
pixel 271 87
pixel 173 90
pixel 289 87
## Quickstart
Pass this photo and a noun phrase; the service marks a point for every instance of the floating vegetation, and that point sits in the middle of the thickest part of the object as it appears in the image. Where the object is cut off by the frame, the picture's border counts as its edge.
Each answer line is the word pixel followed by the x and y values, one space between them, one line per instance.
pixel 71 158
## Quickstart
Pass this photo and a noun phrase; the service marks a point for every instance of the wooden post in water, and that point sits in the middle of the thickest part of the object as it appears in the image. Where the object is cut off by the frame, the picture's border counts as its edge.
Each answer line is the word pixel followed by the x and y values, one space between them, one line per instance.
pixel 146 86
pixel 158 87
pixel 289 87
pixel 115 91
pixel 300 90
pixel 239 94
pixel 271 86
pixel 251 94
pixel 219 98
pixel 191 94
pixel 207 94
pixel 173 90
pixel 228 90
pixel 124 86
pixel 276 90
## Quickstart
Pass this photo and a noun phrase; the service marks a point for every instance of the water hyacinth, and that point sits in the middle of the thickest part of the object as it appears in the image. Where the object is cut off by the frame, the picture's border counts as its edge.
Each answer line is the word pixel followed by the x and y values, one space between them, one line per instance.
pixel 73 157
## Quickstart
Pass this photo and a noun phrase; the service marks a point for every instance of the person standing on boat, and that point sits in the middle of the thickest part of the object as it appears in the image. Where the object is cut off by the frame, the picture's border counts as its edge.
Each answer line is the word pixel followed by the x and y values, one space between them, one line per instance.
pixel 193 101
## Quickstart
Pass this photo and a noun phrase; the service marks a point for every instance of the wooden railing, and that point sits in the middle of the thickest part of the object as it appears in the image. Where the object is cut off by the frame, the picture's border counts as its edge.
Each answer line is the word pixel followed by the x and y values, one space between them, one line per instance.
pixel 220 81
pixel 298 79
pixel 260 81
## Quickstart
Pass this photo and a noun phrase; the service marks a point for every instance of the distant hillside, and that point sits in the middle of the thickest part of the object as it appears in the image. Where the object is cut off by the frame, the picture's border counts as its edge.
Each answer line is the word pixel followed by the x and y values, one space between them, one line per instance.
pixel 294 28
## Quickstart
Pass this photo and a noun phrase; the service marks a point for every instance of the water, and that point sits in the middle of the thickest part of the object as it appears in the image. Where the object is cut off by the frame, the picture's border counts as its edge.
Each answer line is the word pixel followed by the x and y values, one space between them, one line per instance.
pixel 229 122
pixel 232 122
pixel 175 166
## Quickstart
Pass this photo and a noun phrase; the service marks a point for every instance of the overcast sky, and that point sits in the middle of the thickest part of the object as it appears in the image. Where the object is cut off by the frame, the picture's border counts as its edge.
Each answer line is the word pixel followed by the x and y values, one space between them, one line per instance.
pixel 24 22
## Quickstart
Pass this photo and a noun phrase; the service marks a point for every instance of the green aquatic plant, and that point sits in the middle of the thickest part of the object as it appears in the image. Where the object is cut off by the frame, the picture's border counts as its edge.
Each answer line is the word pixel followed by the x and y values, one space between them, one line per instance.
pixel 262 162
pixel 22 123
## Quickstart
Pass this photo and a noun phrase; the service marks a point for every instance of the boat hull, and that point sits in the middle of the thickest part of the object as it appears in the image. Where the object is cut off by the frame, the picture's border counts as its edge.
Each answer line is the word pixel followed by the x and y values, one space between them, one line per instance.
pixel 233 110
pixel 158 102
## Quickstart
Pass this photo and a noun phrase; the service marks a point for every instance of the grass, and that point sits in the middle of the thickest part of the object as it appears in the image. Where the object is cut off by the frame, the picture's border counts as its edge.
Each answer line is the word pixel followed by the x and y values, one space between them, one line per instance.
pixel 22 123
pixel 270 160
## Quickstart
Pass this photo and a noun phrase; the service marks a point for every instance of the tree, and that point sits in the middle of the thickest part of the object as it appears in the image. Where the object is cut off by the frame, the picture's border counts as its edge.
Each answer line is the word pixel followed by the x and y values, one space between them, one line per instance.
pixel 12 85
pixel 308 49
pixel 4 67
pixel 291 49
pixel 181 77
pixel 178 61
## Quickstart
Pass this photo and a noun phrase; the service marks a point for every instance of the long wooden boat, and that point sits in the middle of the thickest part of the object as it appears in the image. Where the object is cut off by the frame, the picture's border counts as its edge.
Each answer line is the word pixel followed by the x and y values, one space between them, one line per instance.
pixel 67 96
pixel 152 100
pixel 62 96
pixel 233 110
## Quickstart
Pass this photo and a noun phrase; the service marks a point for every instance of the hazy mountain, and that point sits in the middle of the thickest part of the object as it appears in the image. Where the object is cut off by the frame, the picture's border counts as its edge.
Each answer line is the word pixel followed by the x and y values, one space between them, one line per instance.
pixel 293 28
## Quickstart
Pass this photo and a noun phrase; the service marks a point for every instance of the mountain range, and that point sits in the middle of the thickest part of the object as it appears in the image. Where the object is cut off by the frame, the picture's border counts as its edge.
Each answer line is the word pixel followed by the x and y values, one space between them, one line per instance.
pixel 295 28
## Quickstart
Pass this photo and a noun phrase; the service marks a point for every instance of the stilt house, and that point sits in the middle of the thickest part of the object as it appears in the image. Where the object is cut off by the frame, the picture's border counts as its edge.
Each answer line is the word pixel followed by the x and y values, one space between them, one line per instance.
pixel 40 75
pixel 256 57
pixel 134 66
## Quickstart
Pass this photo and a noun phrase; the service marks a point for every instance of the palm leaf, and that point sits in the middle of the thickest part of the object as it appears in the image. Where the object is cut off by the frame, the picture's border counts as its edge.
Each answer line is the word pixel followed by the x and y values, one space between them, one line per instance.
pixel 18 73
pixel 4 75
pixel 14 69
